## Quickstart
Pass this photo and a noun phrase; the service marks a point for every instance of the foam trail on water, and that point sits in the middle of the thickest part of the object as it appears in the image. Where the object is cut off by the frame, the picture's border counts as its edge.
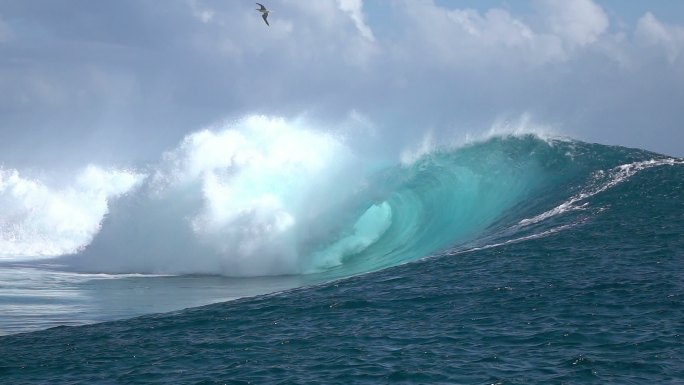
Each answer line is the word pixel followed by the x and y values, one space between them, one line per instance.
pixel 601 181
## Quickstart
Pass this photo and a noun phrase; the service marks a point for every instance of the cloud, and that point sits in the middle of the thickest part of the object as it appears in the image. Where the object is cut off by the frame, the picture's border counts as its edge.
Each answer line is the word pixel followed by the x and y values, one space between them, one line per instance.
pixel 124 81
pixel 468 36
pixel 579 22
pixel 355 10
pixel 651 31
pixel 5 32
pixel 204 14
pixel 40 220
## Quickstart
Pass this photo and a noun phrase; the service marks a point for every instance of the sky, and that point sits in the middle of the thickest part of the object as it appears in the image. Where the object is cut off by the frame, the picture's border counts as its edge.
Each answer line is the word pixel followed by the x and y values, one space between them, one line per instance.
pixel 120 82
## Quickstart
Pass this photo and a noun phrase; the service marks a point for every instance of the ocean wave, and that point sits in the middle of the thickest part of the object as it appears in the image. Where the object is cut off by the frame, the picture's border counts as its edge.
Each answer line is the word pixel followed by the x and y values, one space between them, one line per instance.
pixel 266 196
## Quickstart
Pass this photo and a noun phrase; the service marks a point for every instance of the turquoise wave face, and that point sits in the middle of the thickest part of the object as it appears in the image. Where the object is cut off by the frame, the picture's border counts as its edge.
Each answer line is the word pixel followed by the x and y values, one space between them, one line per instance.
pixel 446 198
pixel 498 191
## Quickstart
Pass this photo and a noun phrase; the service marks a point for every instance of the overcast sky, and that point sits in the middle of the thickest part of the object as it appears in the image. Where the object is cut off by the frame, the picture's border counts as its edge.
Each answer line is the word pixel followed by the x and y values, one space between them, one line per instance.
pixel 121 81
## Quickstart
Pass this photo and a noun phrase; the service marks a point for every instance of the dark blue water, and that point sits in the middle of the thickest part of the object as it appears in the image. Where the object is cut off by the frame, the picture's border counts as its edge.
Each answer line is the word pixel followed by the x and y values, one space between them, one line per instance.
pixel 576 281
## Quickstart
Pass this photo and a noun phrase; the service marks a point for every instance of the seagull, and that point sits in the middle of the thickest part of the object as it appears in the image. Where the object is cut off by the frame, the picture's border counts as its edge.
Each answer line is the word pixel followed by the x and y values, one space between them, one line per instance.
pixel 264 12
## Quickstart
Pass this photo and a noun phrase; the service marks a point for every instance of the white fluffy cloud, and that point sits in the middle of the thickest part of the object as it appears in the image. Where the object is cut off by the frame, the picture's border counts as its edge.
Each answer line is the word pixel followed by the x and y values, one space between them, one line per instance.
pixel 577 22
pixel 651 31
pixel 80 78
pixel 355 10
pixel 498 37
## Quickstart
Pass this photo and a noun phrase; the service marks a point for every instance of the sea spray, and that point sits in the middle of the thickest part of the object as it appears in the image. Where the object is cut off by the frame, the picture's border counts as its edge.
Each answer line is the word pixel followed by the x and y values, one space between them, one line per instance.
pixel 39 220
pixel 242 199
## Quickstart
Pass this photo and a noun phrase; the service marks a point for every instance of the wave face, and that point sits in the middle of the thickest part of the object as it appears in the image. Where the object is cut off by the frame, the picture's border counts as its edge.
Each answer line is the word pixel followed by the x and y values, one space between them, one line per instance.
pixel 265 196
pixel 446 198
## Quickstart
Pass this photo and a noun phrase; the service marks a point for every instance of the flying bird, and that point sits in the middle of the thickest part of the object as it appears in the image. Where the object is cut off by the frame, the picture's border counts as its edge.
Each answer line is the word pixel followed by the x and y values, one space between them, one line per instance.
pixel 264 13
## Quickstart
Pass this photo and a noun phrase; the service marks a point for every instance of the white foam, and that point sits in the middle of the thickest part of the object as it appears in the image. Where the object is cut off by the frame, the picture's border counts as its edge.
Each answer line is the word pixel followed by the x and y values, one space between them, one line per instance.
pixel 602 181
pixel 37 220
pixel 541 234
pixel 523 125
pixel 410 155
pixel 259 177
pixel 520 126
pixel 241 198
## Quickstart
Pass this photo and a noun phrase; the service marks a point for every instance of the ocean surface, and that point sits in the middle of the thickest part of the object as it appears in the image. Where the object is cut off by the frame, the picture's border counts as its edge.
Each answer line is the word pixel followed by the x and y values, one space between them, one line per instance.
pixel 514 260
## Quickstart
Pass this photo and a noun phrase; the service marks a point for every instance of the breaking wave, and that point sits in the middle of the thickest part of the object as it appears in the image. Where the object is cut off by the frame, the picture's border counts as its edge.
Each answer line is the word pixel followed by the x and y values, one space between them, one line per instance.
pixel 266 196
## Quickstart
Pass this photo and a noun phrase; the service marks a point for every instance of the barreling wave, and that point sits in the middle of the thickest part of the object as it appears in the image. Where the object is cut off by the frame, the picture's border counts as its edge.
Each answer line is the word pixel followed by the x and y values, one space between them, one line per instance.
pixel 269 197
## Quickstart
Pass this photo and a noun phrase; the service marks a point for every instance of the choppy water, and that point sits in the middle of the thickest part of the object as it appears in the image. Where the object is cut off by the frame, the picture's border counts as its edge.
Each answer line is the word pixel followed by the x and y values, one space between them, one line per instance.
pixel 514 261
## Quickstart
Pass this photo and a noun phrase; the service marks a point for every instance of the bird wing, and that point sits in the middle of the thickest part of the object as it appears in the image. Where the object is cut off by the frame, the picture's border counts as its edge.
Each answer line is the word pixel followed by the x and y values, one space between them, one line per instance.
pixel 264 16
pixel 261 5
